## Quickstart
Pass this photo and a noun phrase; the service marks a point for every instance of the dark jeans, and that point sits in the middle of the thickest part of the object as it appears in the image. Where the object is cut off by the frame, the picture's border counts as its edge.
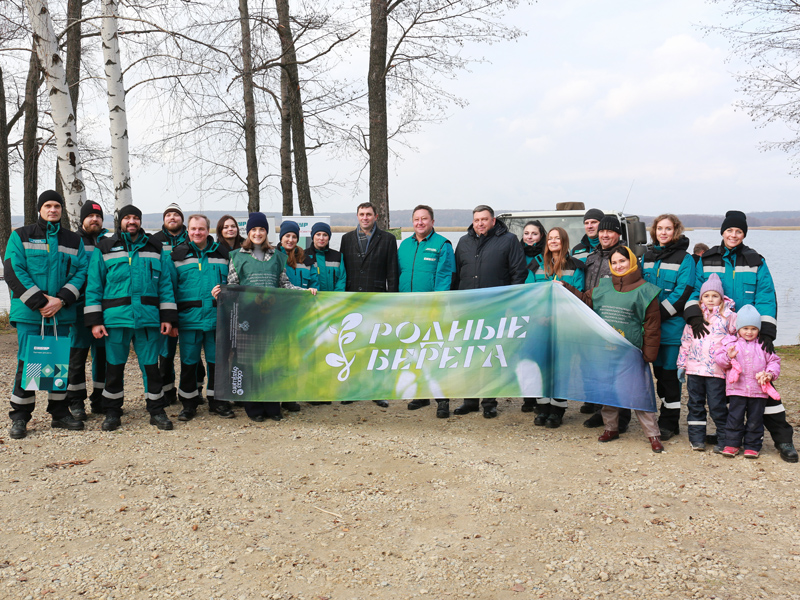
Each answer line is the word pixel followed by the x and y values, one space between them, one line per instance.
pixel 737 432
pixel 702 391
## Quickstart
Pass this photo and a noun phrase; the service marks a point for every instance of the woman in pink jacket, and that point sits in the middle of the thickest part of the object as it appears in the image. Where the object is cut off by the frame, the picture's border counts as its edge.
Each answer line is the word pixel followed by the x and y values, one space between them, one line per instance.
pixel 705 380
pixel 750 372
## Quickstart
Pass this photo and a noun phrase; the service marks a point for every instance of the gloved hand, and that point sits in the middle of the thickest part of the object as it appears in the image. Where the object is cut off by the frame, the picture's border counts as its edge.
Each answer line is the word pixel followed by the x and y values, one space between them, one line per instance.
pixel 767 342
pixel 682 375
pixel 699 329
pixel 664 313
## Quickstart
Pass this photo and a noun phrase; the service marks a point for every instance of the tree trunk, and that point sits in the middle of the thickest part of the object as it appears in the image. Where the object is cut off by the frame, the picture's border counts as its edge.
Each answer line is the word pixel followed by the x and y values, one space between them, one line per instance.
pixel 376 97
pixel 73 71
pixel 286 146
pixel 66 136
pixel 295 109
pixel 118 117
pixel 30 144
pixel 5 183
pixel 250 151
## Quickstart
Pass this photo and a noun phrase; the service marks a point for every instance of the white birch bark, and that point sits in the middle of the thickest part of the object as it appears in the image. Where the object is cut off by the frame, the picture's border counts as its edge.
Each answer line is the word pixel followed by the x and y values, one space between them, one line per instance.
pixel 66 134
pixel 118 117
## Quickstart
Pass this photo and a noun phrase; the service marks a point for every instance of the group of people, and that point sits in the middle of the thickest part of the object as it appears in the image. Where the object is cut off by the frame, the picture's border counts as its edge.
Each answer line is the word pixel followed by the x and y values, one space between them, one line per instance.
pixel 107 290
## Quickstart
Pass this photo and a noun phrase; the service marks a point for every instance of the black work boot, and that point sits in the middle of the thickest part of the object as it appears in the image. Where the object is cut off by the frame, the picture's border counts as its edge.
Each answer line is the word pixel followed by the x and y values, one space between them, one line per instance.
pixel 19 429
pixel 442 409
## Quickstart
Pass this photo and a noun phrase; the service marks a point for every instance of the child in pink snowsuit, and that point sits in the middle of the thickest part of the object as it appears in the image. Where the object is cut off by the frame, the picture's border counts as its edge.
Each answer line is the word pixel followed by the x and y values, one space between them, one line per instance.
pixel 705 380
pixel 747 393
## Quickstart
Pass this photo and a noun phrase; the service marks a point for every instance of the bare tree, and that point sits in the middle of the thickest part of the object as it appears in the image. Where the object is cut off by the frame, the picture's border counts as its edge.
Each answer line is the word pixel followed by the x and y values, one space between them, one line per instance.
pixel 765 36
pixel 414 44
pixel 117 111
pixel 72 72
pixel 213 106
pixel 30 141
pixel 65 132
pixel 295 108
pixel 286 146
pixel 254 199
pixel 5 180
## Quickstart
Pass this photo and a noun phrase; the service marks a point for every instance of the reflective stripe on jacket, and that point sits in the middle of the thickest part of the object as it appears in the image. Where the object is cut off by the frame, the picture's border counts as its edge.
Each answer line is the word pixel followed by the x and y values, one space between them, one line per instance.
pixel 129 284
pixel 303 275
pixel 44 259
pixel 195 273
pixel 745 280
pixel 672 269
pixel 426 266
pixel 331 274
pixel 572 273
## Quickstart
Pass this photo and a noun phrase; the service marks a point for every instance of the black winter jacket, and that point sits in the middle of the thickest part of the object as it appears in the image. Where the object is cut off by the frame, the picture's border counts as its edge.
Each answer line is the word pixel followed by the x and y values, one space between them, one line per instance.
pixel 375 270
pixel 491 260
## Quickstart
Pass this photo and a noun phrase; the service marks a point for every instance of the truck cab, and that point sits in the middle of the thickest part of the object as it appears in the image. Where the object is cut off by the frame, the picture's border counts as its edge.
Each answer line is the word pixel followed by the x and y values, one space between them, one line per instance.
pixel 570 218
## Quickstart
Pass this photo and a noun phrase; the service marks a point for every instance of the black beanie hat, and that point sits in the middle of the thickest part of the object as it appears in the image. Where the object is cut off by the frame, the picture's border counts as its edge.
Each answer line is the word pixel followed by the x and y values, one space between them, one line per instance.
pixel 49 196
pixel 593 213
pixel 91 208
pixel 734 218
pixel 130 209
pixel 610 223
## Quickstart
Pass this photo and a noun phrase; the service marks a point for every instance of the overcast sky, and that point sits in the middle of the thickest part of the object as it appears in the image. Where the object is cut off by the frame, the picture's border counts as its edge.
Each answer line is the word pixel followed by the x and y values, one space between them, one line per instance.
pixel 600 94
pixel 597 96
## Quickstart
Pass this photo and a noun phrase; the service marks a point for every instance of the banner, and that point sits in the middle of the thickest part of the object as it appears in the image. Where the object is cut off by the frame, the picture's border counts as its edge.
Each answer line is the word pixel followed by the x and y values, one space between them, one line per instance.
pixel 533 340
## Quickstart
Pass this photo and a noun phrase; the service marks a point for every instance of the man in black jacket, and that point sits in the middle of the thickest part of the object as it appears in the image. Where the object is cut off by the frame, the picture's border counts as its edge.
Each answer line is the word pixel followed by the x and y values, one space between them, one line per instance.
pixel 370 255
pixel 488 256
pixel 370 258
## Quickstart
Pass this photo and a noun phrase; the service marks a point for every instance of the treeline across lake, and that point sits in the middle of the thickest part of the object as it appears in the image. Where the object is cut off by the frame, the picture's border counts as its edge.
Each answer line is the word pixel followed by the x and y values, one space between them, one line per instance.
pixel 463 217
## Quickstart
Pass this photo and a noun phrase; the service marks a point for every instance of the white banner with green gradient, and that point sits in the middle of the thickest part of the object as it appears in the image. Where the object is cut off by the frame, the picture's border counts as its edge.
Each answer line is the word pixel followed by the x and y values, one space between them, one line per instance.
pixel 538 340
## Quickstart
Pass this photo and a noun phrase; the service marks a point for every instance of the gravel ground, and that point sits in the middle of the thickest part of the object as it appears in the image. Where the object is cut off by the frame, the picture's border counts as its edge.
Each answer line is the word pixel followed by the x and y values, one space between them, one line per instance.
pixel 346 502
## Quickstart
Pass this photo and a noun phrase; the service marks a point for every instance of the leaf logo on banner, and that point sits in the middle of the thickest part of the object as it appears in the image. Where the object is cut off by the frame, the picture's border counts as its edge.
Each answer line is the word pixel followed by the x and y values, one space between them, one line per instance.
pixel 346 336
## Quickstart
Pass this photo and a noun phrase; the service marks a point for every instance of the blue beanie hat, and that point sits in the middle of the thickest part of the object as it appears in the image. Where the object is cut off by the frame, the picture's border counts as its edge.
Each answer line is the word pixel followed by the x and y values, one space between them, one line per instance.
pixel 748 317
pixel 289 227
pixel 257 219
pixel 323 227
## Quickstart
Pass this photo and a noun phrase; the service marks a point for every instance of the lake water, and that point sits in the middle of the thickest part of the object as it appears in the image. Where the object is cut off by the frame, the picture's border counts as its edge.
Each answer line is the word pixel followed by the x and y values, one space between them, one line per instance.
pixel 774 246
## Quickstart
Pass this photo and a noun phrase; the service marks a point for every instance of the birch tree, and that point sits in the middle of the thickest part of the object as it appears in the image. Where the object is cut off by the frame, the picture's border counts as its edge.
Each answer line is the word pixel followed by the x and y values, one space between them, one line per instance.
pixel 73 34
pixel 69 164
pixel 117 113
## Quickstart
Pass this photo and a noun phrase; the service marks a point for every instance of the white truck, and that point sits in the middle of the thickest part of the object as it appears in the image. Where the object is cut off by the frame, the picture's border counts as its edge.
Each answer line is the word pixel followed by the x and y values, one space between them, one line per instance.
pixel 570 217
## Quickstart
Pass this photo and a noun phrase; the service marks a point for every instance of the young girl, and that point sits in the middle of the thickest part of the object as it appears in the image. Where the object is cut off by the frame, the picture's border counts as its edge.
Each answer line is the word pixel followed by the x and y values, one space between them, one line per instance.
pixel 706 380
pixel 748 384
pixel 630 305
